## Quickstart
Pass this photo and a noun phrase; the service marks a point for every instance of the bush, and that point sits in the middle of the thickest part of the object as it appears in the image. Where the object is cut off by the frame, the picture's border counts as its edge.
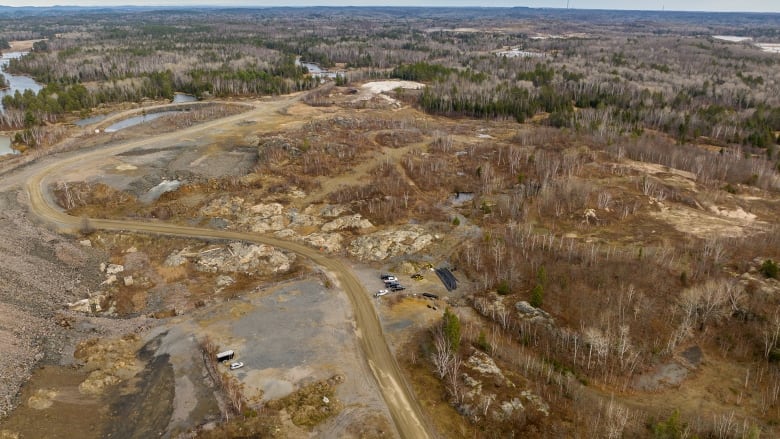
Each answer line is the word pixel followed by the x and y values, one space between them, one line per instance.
pixel 503 288
pixel 482 342
pixel 672 428
pixel 456 221
pixel 769 269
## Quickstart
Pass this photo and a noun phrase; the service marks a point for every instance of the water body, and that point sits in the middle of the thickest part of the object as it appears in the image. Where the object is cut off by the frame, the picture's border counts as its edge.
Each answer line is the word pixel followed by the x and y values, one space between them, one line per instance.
pixel 5 146
pixel 315 70
pixel 16 82
pixel 133 121
pixel 179 98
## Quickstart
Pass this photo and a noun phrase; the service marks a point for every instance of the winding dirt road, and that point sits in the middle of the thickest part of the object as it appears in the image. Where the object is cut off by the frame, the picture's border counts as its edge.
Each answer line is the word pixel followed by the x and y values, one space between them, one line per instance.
pixel 404 408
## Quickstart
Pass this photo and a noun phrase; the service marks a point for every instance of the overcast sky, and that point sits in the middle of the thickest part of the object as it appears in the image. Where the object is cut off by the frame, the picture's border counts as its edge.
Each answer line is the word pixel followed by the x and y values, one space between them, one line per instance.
pixel 677 5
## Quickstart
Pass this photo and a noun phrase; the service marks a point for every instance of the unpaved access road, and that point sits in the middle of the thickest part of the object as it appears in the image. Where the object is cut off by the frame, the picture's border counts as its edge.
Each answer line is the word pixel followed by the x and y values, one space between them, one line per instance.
pixel 404 408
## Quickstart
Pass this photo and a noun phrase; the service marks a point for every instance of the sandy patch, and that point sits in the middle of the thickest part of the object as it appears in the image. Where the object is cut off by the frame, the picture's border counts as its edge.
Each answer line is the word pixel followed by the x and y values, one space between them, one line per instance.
pixel 705 225
pixel 370 89
pixel 22 45
pixel 737 213
pixel 654 168
pixel 126 167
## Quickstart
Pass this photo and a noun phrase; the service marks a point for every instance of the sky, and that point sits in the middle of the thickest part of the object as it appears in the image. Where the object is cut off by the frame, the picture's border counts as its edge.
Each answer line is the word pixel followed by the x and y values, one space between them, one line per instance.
pixel 676 5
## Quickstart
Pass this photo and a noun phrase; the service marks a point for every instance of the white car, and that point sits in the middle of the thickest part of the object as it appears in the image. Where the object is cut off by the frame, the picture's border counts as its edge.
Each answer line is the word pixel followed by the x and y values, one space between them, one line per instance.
pixel 381 293
pixel 238 365
pixel 391 279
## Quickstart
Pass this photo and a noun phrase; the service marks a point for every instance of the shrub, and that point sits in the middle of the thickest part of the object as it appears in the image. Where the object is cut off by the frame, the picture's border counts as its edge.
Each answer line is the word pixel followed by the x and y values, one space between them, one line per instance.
pixel 482 342
pixel 769 269
pixel 456 221
pixel 672 428
pixel 503 287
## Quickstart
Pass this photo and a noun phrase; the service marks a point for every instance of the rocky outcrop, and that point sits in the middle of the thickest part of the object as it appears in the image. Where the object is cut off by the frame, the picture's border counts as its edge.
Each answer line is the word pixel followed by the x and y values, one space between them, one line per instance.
pixel 381 245
pixel 527 312
pixel 224 207
pixel 244 258
pixel 350 222
pixel 330 242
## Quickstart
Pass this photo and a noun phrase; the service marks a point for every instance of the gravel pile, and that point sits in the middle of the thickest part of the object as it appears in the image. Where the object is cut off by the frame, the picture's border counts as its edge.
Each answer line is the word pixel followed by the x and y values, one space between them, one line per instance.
pixel 39 272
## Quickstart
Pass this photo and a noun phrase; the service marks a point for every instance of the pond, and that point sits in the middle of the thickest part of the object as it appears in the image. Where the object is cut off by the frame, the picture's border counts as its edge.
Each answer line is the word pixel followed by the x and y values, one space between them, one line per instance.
pixel 5 146
pixel 133 121
pixel 315 70
pixel 15 82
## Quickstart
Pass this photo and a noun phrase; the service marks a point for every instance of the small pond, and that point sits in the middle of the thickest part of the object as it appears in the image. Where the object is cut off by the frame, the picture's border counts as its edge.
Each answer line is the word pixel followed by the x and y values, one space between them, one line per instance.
pixel 5 146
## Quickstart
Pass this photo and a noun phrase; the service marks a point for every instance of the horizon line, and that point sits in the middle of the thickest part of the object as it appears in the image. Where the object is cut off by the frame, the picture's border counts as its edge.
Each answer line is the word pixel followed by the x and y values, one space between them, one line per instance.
pixel 388 6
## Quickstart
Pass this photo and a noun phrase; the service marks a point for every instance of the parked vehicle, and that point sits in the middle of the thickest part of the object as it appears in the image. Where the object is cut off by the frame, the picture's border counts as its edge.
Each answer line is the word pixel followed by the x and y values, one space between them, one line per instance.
pixel 381 293
pixel 430 296
pixel 390 279
pixel 397 287
pixel 386 276
pixel 237 365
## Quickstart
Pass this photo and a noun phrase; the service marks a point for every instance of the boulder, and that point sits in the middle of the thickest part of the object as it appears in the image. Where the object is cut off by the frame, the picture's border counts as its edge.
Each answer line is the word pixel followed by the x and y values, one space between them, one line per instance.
pixel 86 243
pixel 482 363
pixel 128 281
pixel 114 269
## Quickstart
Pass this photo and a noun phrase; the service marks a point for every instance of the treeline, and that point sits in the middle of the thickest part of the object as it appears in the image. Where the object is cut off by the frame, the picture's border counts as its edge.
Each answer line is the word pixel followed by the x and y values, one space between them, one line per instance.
pixel 596 103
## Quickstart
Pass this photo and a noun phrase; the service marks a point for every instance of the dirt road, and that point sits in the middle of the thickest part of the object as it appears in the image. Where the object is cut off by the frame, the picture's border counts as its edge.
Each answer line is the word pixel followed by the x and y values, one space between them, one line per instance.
pixel 404 408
